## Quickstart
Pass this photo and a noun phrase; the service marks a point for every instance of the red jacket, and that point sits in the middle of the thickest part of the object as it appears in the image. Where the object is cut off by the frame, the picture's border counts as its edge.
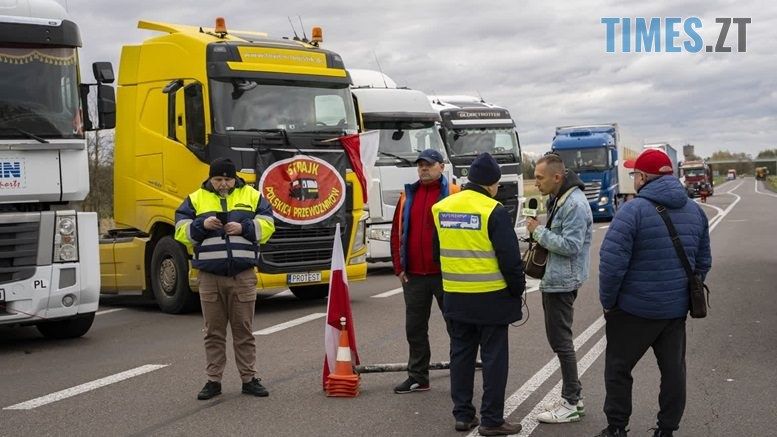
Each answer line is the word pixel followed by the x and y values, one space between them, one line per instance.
pixel 412 229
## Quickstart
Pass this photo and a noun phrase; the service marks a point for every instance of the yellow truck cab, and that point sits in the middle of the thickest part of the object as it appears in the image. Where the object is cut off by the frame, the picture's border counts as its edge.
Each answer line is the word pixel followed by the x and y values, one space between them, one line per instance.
pixel 276 107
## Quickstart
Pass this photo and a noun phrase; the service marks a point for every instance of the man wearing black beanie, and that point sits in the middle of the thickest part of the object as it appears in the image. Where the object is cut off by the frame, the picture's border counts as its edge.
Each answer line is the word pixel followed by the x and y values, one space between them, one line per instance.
pixel 483 282
pixel 224 222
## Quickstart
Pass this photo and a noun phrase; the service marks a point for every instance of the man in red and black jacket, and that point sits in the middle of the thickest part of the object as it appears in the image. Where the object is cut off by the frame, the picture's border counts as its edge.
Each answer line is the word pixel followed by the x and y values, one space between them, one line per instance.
pixel 411 252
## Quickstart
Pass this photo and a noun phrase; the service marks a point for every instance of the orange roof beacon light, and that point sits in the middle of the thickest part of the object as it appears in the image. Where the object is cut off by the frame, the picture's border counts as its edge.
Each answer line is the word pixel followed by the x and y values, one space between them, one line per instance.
pixel 317 35
pixel 221 27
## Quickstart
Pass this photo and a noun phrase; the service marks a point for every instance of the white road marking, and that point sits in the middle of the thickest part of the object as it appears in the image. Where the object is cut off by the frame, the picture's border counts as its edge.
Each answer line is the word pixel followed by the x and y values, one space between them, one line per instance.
pixel 716 208
pixel 542 375
pixel 530 421
pixel 389 293
pixel 604 227
pixel 730 207
pixel 283 293
pixel 103 312
pixel 761 192
pixel 289 324
pixel 83 388
pixel 532 285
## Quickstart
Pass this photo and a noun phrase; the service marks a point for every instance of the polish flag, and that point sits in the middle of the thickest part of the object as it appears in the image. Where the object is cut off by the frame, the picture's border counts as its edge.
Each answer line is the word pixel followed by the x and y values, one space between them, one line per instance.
pixel 362 150
pixel 338 305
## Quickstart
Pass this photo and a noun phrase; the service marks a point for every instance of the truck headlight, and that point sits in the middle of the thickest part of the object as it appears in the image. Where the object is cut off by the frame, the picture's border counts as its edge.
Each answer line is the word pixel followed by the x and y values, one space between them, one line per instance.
pixel 358 239
pixel 66 239
pixel 603 200
pixel 380 234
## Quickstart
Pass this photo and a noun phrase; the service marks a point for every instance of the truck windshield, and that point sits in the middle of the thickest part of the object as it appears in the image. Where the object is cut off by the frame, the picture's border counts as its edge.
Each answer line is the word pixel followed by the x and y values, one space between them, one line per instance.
pixel 403 141
pixel 584 159
pixel 39 93
pixel 474 141
pixel 693 172
pixel 245 104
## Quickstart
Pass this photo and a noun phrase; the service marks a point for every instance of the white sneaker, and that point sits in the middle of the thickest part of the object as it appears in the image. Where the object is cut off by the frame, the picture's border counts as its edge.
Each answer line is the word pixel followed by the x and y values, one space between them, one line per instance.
pixel 552 405
pixel 563 412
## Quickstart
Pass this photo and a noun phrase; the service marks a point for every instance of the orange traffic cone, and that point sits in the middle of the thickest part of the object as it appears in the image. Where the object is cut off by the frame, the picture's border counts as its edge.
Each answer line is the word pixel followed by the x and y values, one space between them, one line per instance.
pixel 343 382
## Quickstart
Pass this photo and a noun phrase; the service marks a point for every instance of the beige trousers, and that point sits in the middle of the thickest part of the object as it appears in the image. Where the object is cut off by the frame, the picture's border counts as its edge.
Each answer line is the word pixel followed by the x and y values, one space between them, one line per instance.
pixel 229 300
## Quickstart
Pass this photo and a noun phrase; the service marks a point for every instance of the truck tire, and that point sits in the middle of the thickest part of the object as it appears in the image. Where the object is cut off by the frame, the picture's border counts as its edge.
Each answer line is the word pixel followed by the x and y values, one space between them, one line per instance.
pixel 170 277
pixel 69 328
pixel 310 292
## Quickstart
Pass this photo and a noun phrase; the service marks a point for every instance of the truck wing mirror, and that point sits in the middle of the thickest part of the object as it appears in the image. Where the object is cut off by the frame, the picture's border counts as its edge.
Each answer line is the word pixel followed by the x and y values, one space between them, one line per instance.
pixel 106 106
pixel 103 72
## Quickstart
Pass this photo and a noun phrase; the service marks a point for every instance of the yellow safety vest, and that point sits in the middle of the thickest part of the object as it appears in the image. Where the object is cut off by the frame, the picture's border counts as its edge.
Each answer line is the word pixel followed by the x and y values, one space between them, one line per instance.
pixel 467 258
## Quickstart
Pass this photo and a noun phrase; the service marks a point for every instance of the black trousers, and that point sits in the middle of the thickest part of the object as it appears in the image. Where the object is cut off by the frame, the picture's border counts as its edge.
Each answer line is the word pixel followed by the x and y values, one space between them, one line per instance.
pixel 419 292
pixel 628 338
pixel 492 340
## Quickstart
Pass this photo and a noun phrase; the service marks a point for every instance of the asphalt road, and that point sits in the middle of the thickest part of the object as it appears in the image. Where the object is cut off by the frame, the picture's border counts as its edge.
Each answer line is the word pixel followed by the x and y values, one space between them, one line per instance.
pixel 138 370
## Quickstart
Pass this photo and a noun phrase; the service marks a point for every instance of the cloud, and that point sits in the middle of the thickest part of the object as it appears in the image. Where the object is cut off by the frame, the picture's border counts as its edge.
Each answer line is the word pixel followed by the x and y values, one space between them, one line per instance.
pixel 543 60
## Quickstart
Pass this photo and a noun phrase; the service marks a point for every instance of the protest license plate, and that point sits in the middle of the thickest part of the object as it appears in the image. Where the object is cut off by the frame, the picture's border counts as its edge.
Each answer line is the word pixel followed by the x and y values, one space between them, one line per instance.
pixel 301 278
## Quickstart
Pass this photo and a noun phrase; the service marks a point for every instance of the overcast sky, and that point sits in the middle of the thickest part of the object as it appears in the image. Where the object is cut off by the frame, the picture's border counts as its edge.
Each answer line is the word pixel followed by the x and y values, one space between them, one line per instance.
pixel 543 60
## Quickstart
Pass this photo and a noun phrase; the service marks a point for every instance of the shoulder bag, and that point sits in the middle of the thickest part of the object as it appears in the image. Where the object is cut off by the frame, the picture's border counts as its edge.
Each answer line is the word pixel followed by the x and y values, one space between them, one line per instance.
pixel 697 299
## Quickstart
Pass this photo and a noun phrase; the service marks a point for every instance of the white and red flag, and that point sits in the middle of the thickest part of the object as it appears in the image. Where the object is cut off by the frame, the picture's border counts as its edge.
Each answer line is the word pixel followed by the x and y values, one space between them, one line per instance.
pixel 338 305
pixel 362 150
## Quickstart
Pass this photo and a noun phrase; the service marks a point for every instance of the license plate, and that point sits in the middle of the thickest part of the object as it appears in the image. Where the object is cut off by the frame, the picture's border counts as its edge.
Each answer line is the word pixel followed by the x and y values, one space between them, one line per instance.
pixel 2 295
pixel 301 278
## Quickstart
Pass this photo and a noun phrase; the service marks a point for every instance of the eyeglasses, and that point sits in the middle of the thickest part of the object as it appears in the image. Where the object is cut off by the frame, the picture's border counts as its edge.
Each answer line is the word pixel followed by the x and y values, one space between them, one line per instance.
pixel 632 173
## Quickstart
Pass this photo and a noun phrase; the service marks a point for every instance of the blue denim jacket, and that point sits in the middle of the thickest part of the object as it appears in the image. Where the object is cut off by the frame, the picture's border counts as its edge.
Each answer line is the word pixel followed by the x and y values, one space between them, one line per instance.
pixel 568 242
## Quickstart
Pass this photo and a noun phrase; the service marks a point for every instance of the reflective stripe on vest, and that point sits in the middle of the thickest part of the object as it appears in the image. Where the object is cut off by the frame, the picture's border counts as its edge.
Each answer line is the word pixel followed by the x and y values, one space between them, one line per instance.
pixel 467 258
pixel 183 229
pixel 245 199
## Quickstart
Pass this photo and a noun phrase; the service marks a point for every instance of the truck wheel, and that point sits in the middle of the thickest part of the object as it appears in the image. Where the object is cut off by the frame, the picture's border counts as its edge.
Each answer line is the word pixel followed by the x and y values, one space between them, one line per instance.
pixel 170 277
pixel 70 328
pixel 310 292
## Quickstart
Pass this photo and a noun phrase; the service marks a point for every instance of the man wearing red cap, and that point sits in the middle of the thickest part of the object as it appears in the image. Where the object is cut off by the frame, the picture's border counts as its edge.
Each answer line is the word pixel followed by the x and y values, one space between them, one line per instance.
pixel 643 289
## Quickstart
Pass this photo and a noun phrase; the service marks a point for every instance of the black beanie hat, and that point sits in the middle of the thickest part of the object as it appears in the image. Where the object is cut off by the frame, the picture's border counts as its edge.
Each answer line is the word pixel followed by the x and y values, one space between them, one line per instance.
pixel 223 167
pixel 484 170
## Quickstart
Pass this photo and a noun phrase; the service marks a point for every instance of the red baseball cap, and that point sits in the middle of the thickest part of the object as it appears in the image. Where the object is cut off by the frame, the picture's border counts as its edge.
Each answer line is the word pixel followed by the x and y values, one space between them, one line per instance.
pixel 651 161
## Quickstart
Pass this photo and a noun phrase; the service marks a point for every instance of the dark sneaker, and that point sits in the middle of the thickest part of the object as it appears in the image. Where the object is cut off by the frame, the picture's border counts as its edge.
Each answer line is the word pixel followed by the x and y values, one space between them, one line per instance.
pixel 612 431
pixel 658 432
pixel 466 426
pixel 410 385
pixel 255 388
pixel 506 428
pixel 211 389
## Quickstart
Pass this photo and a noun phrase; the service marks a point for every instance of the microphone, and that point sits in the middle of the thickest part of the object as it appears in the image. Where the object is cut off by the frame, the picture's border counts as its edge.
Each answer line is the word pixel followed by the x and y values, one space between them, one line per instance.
pixel 531 209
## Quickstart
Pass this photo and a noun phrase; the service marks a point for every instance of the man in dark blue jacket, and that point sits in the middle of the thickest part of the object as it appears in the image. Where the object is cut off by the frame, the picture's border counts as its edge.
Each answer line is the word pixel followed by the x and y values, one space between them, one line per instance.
pixel 483 280
pixel 224 222
pixel 643 289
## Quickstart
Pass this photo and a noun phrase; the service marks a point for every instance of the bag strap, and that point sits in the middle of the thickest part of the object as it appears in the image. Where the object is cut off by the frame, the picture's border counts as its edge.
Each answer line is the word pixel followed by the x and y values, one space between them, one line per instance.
pixel 678 245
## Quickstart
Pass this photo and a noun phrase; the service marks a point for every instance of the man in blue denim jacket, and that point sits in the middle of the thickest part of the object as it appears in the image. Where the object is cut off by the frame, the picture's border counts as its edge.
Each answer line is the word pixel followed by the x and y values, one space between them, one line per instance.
pixel 568 240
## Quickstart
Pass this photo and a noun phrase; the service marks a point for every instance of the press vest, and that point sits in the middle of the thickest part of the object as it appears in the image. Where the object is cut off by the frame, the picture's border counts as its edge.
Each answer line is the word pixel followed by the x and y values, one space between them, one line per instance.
pixel 467 258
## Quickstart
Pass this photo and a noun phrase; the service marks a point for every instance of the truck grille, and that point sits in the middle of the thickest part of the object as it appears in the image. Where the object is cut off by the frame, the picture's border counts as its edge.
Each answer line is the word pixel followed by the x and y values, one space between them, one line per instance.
pixel 592 190
pixel 18 250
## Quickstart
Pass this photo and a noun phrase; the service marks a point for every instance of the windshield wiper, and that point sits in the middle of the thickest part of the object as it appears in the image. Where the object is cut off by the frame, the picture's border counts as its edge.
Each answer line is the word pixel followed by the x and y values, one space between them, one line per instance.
pixel 26 134
pixel 405 160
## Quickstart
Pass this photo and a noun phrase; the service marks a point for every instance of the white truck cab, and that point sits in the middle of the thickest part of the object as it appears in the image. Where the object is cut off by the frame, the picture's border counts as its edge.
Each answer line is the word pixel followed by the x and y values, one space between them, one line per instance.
pixel 49 266
pixel 408 125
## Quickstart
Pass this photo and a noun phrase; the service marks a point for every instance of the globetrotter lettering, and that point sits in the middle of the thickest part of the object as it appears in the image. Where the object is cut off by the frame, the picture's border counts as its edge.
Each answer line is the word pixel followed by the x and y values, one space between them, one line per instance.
pixel 303 189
